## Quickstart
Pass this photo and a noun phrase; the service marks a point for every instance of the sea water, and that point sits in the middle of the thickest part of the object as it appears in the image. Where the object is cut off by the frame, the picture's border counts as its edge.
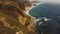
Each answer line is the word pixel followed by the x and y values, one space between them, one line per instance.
pixel 47 14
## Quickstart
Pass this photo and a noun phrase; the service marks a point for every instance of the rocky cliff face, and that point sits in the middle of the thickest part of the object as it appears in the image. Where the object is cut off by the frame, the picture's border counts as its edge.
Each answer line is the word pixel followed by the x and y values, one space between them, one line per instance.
pixel 13 18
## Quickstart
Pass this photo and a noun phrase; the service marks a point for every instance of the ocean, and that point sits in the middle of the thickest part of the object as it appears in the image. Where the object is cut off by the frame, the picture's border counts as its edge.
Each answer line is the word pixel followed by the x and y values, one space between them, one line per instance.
pixel 45 10
pixel 48 15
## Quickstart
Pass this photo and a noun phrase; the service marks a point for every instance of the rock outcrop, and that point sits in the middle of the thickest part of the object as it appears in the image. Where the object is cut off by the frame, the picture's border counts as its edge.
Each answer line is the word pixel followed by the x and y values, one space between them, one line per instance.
pixel 13 17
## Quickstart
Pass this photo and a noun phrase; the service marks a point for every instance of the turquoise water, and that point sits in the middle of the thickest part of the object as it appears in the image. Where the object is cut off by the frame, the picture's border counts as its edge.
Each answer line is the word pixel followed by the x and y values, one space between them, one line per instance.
pixel 50 11
pixel 45 10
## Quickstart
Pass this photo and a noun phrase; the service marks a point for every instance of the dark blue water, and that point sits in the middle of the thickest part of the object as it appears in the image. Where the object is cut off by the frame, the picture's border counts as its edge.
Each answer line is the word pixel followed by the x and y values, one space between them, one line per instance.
pixel 50 11
pixel 45 10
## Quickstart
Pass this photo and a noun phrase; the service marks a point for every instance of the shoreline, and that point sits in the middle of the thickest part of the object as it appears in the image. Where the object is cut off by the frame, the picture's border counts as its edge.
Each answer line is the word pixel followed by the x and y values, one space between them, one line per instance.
pixel 34 19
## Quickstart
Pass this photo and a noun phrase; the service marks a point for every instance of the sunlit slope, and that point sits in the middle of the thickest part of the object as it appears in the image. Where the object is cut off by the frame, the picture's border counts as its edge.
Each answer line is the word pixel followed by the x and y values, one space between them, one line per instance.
pixel 13 19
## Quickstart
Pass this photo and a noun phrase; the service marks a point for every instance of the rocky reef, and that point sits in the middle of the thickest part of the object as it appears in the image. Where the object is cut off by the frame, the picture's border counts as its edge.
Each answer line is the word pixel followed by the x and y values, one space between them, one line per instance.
pixel 13 17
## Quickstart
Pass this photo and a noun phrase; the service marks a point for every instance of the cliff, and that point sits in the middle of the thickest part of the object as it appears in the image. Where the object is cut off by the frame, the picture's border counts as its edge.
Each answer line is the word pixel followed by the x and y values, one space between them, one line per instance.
pixel 13 17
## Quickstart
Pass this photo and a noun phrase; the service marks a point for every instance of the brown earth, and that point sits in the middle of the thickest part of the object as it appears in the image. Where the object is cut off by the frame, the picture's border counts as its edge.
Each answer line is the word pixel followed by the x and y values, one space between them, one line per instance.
pixel 13 17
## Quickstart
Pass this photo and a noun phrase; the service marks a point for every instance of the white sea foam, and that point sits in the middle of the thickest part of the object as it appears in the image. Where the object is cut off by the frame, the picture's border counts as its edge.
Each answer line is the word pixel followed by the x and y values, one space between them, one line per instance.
pixel 40 23
pixel 37 4
pixel 46 19
pixel 29 14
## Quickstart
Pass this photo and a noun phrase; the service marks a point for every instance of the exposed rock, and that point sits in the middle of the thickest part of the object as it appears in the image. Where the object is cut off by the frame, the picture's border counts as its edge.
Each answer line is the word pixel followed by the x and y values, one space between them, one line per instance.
pixel 13 19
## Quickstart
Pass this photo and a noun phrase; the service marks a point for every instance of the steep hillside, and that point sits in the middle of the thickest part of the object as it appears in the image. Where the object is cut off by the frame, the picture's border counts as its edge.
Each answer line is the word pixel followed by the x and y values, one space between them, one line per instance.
pixel 13 17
